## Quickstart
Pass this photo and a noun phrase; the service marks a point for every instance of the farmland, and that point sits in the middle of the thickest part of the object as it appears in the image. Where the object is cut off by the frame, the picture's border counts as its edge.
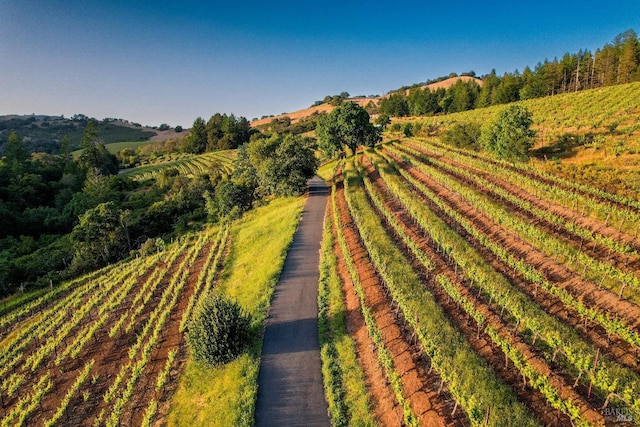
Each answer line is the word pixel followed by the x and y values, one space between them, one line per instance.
pixel 186 164
pixel 513 291
pixel 100 350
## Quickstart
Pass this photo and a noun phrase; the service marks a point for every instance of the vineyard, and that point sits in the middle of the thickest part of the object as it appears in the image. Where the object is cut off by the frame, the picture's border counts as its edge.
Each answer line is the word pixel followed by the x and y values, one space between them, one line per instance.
pixel 595 132
pixel 212 163
pixel 479 292
pixel 104 349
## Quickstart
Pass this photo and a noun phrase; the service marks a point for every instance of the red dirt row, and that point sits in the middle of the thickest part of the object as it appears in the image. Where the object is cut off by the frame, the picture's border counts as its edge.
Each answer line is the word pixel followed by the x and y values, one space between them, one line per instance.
pixel 619 349
pixel 422 389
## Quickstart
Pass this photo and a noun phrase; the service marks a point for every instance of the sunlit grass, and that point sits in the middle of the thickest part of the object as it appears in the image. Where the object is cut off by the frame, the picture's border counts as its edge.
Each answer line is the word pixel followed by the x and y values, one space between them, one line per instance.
pixel 326 170
pixel 226 396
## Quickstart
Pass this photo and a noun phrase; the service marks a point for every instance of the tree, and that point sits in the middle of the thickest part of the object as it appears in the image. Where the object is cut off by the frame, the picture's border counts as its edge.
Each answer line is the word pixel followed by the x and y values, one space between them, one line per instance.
pixel 230 196
pixel 95 155
pixel 283 165
pixel 346 127
pixel 197 138
pixel 100 236
pixel 510 135
pixel 16 154
pixel 464 135
pixel 219 331
pixel 395 105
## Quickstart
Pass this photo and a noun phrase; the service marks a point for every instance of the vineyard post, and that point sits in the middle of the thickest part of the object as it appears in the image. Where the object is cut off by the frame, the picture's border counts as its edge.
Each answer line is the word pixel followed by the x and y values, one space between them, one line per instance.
pixel 486 416
pixel 622 289
pixel 593 372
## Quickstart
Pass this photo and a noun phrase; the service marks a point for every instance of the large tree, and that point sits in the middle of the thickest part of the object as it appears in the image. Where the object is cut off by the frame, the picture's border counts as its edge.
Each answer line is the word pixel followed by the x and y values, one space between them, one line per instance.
pixel 283 164
pixel 100 237
pixel 347 126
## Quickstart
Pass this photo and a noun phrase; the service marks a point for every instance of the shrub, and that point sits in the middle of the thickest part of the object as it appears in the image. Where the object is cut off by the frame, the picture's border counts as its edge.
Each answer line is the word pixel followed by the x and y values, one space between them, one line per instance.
pixel 219 331
pixel 463 135
pixel 509 136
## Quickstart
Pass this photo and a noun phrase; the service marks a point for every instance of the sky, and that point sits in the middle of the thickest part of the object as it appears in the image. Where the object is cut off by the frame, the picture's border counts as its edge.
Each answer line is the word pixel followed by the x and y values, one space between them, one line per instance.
pixel 172 61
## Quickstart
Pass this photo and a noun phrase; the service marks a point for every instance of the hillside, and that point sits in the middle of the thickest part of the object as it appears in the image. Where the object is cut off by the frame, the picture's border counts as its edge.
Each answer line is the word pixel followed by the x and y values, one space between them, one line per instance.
pixel 296 116
pixel 42 133
pixel 592 136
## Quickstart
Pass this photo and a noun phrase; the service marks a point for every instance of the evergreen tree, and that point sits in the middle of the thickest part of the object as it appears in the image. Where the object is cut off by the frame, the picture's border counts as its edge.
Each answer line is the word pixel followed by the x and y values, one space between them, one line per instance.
pixel 94 154
pixel 197 138
pixel 16 154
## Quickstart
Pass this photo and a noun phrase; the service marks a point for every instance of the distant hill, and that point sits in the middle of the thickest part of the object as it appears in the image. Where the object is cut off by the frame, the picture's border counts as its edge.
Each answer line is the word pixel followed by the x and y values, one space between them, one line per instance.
pixel 42 133
pixel 362 101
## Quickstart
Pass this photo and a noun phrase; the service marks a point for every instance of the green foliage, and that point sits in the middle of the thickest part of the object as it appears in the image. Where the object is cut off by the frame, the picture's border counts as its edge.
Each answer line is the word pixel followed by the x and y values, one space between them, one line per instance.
pixel 100 237
pixel 16 154
pixel 219 331
pixel 407 130
pixel 394 105
pixel 225 132
pixel 510 135
pixel 460 97
pixel 282 165
pixel 346 127
pixel 230 195
pixel 94 154
pixel 463 135
pixel 197 138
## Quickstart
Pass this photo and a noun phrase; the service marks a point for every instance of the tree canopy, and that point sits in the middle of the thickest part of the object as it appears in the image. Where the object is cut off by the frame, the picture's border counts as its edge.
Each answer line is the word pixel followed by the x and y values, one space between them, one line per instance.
pixel 346 127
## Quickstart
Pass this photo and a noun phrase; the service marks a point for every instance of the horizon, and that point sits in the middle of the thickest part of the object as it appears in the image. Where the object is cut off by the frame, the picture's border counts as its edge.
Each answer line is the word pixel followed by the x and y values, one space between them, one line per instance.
pixel 173 62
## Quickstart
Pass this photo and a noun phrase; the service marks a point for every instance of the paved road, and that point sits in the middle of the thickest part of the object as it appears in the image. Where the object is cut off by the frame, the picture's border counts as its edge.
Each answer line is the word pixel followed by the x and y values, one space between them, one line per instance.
pixel 290 391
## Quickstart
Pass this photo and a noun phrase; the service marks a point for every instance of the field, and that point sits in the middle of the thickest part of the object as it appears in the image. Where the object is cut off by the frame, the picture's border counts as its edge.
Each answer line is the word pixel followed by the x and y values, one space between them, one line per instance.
pixel 490 293
pixel 219 162
pixel 115 147
pixel 101 350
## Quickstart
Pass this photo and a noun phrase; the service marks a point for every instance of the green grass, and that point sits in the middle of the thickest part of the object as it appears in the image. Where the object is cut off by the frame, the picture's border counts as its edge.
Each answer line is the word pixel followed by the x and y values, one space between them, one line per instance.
pixel 226 395
pixel 119 146
pixel 343 378
pixel 326 170
pixel 115 147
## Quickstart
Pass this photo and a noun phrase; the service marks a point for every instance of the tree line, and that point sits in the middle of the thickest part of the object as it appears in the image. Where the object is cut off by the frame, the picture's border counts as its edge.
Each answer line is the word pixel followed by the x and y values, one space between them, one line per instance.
pixel 617 62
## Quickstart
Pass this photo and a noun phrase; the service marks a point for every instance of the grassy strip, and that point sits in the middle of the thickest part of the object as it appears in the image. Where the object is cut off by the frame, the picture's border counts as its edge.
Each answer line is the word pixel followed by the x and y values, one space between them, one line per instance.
pixel 344 382
pixel 226 395
pixel 472 383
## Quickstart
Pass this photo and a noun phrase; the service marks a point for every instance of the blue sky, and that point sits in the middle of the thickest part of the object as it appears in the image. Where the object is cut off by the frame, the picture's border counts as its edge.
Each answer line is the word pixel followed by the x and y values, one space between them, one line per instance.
pixel 170 62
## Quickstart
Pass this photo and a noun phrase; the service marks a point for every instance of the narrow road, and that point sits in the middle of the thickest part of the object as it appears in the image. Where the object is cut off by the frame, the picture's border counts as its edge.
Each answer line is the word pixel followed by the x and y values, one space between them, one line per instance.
pixel 290 391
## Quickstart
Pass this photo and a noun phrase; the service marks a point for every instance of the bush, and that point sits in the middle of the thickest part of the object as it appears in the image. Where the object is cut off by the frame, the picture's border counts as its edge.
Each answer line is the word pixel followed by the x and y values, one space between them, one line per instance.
pixel 509 136
pixel 463 135
pixel 219 331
